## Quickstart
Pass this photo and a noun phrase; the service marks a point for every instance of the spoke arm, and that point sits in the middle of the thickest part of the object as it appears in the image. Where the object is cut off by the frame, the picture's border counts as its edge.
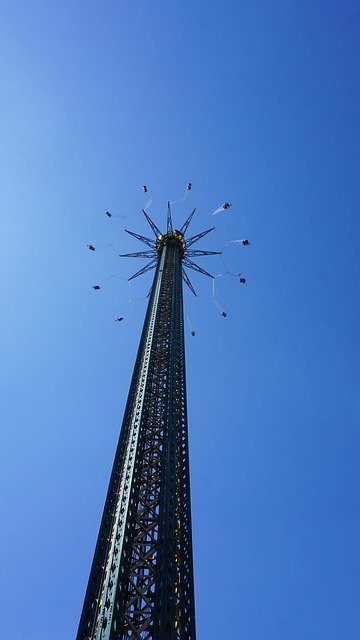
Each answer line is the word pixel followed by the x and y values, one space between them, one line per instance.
pixel 148 241
pixel 149 266
pixel 193 239
pixel 169 219
pixel 152 224
pixel 198 252
pixel 184 228
pixel 195 267
pixel 139 254
pixel 187 281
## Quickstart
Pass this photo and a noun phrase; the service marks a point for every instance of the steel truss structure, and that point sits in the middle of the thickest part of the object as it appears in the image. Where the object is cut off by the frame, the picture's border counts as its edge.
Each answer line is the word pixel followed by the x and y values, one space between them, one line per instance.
pixel 141 579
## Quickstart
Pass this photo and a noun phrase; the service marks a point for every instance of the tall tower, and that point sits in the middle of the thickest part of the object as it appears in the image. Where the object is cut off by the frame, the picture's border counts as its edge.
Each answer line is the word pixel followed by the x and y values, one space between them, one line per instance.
pixel 141 579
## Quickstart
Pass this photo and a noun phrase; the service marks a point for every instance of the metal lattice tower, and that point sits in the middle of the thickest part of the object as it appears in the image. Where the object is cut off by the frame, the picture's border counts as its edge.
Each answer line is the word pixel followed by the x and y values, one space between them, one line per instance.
pixel 141 579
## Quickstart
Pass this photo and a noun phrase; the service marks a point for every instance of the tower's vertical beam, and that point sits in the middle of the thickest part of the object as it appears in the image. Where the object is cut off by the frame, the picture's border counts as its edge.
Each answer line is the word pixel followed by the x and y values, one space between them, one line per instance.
pixel 141 582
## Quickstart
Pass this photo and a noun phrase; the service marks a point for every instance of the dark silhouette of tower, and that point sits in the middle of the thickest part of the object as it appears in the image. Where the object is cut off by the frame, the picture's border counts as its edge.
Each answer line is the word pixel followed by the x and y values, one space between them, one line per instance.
pixel 141 579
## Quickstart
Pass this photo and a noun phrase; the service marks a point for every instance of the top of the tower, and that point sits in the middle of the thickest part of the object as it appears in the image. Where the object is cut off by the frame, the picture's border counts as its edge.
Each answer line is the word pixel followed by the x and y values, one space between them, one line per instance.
pixel 173 237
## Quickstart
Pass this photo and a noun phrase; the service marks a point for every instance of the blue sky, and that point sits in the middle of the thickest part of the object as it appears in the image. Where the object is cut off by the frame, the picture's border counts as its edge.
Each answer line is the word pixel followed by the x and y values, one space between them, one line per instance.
pixel 254 103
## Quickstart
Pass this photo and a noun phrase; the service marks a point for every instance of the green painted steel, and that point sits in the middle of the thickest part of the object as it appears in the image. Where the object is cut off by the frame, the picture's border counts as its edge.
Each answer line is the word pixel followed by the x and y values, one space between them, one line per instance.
pixel 141 579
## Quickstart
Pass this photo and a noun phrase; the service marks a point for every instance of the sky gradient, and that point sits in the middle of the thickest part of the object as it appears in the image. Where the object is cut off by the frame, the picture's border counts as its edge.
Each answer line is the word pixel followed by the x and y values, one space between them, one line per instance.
pixel 256 104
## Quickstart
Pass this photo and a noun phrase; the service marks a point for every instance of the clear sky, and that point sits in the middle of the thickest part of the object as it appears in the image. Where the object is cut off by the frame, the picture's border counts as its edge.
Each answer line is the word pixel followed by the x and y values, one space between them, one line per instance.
pixel 256 103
